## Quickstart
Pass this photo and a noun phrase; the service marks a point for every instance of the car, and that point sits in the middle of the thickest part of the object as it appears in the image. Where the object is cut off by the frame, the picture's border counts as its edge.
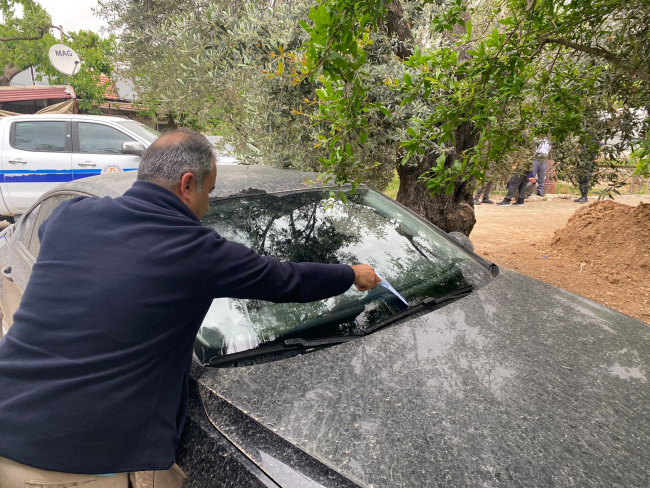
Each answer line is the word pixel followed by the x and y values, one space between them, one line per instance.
pixel 485 377
pixel 223 151
pixel 39 151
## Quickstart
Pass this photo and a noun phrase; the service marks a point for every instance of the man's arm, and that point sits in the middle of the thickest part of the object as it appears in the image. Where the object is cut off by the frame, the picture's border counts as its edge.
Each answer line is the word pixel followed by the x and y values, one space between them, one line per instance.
pixel 235 271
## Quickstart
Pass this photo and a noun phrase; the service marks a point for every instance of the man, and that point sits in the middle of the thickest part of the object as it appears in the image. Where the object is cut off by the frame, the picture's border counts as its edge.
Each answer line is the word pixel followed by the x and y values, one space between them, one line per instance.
pixel 516 186
pixel 540 164
pixel 587 154
pixel 531 186
pixel 584 186
pixel 94 370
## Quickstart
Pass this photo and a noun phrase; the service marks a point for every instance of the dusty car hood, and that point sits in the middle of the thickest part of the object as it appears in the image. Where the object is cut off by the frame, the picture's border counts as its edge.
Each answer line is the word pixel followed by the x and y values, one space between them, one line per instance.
pixel 519 384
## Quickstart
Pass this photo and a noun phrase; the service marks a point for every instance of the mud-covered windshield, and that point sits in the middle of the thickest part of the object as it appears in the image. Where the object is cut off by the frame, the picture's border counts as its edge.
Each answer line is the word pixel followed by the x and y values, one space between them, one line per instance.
pixel 311 226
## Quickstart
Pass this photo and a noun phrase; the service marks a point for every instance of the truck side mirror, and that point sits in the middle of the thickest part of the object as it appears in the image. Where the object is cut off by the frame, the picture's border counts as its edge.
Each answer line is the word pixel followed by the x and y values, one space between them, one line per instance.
pixel 133 147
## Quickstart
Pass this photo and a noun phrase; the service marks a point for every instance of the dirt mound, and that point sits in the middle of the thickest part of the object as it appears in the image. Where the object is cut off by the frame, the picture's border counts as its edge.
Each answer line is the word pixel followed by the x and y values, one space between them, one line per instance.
pixel 613 238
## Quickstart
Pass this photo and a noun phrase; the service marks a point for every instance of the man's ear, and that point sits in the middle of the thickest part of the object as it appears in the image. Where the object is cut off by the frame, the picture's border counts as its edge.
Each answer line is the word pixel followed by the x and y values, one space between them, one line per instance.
pixel 186 184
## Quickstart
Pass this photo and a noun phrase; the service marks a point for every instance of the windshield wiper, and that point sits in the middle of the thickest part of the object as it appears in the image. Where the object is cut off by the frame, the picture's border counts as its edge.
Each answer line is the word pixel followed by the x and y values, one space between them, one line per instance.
pixel 287 345
pixel 452 295
pixel 299 343
pixel 425 304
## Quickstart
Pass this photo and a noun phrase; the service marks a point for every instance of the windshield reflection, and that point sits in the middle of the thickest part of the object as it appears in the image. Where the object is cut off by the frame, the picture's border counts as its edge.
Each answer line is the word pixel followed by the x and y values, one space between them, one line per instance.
pixel 311 226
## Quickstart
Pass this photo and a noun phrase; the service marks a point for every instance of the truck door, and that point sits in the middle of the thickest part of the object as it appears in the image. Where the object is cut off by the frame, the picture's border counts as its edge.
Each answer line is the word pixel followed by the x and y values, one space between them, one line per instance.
pixel 98 150
pixel 36 157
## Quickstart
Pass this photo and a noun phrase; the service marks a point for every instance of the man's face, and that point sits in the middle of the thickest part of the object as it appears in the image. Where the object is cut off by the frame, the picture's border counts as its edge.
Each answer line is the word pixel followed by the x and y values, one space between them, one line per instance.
pixel 199 203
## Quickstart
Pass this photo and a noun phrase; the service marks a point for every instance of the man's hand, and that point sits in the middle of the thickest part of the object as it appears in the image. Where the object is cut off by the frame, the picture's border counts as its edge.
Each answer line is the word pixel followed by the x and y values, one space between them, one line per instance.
pixel 532 180
pixel 365 277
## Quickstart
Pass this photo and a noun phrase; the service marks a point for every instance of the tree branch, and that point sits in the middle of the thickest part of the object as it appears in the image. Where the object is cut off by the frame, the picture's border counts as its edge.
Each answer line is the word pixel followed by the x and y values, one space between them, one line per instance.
pixel 601 53
pixel 37 37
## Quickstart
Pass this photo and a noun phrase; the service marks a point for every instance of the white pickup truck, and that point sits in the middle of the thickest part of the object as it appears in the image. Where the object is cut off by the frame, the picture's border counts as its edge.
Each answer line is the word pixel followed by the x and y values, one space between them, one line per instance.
pixel 39 151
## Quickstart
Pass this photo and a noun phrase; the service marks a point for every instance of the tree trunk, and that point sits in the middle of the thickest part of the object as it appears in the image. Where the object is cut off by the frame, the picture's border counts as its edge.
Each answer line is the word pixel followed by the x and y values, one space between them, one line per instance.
pixel 399 30
pixel 453 212
pixel 8 74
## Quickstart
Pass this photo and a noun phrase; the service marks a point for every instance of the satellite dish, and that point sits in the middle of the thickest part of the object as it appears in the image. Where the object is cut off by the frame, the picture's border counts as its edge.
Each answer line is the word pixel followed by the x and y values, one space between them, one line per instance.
pixel 64 59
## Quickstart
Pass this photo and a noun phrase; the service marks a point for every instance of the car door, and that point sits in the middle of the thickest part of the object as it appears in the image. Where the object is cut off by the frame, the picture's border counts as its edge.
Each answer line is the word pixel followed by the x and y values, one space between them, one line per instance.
pixel 23 253
pixel 37 157
pixel 97 149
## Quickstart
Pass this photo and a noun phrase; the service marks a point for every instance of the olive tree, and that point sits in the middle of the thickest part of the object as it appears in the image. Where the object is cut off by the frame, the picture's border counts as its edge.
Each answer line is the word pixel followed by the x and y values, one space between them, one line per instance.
pixel 355 88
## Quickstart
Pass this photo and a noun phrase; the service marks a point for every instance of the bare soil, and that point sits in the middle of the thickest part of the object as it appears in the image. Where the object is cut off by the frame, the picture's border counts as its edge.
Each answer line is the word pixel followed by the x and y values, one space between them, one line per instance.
pixel 600 251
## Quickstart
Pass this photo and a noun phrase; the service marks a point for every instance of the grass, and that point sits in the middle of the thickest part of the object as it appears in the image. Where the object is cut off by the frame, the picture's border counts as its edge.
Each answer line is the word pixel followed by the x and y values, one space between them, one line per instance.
pixel 393 186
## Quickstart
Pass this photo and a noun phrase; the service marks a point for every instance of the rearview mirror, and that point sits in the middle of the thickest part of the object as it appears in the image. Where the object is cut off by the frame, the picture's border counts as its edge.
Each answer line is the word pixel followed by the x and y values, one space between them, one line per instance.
pixel 462 239
pixel 133 147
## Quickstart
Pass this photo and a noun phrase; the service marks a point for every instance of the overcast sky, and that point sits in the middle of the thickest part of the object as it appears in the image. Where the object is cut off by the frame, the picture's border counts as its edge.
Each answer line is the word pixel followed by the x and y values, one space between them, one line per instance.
pixel 73 15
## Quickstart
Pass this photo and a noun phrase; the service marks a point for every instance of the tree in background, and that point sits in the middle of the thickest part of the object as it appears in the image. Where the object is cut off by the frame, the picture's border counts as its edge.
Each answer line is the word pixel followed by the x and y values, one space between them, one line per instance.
pixel 495 74
pixel 356 88
pixel 213 65
pixel 26 40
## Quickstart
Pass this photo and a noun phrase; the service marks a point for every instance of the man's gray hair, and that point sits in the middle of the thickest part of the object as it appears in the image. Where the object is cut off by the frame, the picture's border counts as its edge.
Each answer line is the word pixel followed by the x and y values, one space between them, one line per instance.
pixel 174 154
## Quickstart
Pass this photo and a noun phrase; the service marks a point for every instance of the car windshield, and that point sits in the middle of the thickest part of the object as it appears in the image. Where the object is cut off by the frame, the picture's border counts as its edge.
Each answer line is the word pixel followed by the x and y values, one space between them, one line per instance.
pixel 311 226
pixel 147 133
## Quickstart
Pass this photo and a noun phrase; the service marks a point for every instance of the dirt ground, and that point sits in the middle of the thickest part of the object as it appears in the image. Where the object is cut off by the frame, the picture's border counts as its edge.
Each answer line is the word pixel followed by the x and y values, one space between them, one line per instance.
pixel 522 239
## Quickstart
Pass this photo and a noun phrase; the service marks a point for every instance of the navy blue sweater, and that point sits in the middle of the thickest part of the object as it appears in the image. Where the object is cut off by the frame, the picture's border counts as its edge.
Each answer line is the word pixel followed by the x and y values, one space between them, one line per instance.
pixel 94 370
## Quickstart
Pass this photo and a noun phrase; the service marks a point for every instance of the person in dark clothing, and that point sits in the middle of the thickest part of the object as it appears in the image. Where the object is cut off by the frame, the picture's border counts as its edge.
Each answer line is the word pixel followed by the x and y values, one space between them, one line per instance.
pixel 587 155
pixel 94 371
pixel 516 186
pixel 584 183
pixel 531 184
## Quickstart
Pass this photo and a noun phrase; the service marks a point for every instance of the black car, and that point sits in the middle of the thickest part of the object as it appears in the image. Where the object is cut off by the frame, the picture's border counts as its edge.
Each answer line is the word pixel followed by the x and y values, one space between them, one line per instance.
pixel 484 377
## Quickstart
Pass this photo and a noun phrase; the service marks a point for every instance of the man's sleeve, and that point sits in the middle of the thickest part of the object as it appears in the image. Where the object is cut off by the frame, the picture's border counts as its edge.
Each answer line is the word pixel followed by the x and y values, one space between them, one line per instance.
pixel 235 271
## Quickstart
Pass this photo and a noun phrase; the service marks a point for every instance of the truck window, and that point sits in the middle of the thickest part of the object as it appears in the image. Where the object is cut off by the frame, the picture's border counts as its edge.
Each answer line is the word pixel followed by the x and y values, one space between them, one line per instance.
pixel 100 139
pixel 39 136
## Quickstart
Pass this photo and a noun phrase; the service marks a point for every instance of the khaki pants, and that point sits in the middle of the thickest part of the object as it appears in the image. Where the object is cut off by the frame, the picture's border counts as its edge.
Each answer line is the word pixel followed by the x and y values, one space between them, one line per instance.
pixel 15 475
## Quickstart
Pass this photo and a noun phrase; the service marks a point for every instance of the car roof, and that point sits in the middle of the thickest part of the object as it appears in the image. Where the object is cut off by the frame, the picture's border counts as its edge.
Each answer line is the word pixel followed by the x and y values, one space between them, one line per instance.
pixel 231 181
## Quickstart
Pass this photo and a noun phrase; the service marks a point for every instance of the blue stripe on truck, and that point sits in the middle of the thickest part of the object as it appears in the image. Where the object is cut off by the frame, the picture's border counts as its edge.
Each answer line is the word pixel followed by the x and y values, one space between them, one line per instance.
pixel 49 175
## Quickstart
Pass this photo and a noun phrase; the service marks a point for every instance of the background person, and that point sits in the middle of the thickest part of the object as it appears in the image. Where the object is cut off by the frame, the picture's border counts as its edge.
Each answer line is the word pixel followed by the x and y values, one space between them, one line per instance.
pixel 532 185
pixel 584 183
pixel 540 164
pixel 516 187
pixel 587 155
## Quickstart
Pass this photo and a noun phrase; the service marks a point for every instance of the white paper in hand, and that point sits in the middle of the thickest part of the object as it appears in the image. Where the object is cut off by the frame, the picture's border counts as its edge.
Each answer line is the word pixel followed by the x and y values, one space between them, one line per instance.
pixel 390 288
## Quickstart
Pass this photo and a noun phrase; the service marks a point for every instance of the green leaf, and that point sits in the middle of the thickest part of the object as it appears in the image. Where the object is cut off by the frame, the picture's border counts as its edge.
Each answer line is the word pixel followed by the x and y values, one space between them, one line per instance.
pixel 384 111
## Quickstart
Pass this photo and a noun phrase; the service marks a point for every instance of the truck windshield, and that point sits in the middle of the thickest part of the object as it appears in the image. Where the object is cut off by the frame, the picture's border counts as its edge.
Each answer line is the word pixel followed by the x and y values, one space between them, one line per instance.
pixel 146 133
pixel 312 226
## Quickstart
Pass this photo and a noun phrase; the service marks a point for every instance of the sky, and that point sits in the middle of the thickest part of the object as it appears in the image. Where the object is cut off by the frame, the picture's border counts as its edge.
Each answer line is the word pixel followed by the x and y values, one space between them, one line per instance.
pixel 80 16
pixel 73 15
